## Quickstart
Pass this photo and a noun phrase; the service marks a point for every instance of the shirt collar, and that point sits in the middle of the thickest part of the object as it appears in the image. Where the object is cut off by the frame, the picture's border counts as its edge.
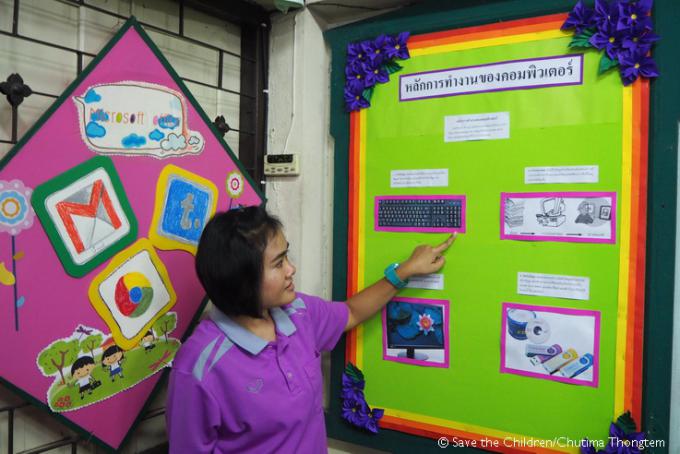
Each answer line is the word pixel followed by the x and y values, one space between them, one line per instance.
pixel 245 339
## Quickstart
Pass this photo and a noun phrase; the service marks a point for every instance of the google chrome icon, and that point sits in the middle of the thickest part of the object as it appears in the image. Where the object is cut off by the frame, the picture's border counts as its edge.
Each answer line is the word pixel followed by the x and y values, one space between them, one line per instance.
pixel 133 294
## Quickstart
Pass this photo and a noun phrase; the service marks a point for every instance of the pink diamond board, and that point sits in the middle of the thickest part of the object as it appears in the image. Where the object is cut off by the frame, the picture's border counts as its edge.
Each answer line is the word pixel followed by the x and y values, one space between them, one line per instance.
pixel 40 302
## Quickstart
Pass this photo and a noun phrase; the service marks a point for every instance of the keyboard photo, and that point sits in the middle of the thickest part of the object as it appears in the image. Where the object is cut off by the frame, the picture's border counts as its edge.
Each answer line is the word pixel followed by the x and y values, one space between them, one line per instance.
pixel 440 213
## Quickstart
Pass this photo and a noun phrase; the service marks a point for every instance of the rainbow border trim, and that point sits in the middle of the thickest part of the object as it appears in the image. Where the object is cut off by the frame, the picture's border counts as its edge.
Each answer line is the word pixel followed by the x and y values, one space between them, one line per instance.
pixel 630 317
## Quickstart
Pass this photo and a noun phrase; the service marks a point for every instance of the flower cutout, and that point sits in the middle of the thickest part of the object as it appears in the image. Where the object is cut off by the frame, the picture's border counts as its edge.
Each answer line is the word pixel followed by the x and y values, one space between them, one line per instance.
pixel 376 50
pixel 634 15
pixel 396 46
pixel 623 438
pixel 372 418
pixel 370 63
pixel 636 64
pixel 609 39
pixel 355 409
pixel 351 388
pixel 355 54
pixel 623 29
pixel 375 75
pixel 639 41
pixel 425 323
pixel 355 74
pixel 605 14
pixel 16 213
pixel 624 443
pixel 235 184
pixel 355 412
pixel 354 100
pixel 580 18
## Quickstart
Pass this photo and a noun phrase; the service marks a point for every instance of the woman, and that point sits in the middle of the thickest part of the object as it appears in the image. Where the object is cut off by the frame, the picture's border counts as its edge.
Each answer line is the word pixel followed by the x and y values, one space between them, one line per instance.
pixel 249 378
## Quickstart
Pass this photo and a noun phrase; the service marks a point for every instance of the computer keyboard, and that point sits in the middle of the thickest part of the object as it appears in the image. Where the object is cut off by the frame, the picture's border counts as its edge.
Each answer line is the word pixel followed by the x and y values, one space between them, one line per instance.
pixel 443 213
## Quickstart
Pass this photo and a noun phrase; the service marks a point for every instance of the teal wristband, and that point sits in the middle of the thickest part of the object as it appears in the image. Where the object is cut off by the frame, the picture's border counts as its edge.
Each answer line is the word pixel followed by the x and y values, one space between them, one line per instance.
pixel 393 278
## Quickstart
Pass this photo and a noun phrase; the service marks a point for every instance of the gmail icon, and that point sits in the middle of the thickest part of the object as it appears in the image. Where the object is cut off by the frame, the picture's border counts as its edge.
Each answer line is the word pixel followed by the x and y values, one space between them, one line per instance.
pixel 86 215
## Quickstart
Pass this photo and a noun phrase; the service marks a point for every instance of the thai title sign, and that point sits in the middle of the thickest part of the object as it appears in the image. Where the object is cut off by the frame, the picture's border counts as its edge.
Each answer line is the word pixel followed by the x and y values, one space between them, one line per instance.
pixel 136 118
pixel 508 75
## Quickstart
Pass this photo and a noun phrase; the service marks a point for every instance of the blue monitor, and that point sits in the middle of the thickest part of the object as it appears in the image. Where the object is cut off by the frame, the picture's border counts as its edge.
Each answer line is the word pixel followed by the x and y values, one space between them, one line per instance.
pixel 414 326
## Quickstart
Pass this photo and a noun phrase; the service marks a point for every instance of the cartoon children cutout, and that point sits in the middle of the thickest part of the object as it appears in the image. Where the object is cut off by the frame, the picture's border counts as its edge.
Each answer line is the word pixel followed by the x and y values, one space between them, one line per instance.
pixel 81 371
pixel 112 358
pixel 147 342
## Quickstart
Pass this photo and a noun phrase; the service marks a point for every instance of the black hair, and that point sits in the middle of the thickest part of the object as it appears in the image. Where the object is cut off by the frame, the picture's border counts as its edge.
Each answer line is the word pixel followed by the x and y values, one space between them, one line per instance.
pixel 229 260
pixel 112 350
pixel 80 362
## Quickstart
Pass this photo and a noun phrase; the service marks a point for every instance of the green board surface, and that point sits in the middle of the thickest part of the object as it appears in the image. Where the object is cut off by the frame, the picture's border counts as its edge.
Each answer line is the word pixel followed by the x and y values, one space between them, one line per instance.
pixel 555 126
pixel 665 109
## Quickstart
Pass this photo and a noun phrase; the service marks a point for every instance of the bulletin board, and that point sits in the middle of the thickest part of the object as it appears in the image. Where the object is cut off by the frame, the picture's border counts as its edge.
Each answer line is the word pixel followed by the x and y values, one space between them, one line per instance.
pixel 102 204
pixel 421 137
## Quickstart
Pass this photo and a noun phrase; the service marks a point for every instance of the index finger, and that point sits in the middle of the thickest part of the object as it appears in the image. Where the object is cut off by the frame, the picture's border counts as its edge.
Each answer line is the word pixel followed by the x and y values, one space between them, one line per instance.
pixel 448 242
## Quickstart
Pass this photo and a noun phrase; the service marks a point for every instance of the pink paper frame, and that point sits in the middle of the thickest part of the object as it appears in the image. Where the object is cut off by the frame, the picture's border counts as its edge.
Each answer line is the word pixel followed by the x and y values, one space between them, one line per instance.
pixel 566 195
pixel 463 215
pixel 445 330
pixel 556 310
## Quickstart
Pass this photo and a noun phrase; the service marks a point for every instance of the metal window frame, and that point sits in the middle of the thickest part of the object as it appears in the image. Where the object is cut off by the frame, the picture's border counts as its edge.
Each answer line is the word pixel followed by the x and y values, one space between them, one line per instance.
pixel 255 26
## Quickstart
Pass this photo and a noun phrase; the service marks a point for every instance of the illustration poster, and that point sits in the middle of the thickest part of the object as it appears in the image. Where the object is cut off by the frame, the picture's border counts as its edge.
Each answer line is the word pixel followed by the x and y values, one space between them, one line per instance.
pixel 97 295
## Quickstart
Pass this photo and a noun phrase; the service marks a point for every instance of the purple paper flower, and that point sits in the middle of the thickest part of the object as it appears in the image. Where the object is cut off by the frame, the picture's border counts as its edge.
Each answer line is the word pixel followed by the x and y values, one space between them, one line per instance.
pixel 376 50
pixel 622 443
pixel 372 418
pixel 609 39
pixel 639 41
pixel 634 15
pixel 396 46
pixel 355 76
pixel 580 18
pixel 605 13
pixel 635 64
pixel 354 101
pixel 375 75
pixel 355 54
pixel 355 412
pixel 351 389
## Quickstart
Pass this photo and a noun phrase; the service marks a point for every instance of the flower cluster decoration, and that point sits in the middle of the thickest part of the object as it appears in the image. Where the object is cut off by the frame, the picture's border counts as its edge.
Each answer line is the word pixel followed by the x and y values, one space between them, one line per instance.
pixel 622 29
pixel 370 63
pixel 623 438
pixel 355 410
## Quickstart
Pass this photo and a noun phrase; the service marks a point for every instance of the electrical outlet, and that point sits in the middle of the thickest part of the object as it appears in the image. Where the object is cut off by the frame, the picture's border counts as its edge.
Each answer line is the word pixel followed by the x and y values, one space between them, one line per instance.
pixel 281 165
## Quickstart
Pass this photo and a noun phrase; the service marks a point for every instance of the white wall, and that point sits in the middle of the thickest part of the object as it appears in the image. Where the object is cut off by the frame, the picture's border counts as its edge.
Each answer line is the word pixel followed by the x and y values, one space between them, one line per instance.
pixel 298 122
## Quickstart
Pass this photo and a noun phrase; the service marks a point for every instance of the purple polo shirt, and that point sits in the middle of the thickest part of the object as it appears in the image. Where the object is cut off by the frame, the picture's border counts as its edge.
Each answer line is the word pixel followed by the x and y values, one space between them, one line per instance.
pixel 233 392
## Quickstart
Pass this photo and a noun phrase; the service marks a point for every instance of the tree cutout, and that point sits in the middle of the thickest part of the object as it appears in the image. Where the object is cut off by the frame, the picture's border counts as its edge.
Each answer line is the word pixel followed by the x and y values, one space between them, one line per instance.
pixel 165 324
pixel 90 343
pixel 58 355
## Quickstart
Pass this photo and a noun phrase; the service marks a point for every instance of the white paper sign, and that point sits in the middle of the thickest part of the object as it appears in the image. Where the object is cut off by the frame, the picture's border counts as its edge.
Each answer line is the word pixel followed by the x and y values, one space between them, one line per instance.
pixel 428 281
pixel 563 174
pixel 486 126
pixel 554 285
pixel 136 119
pixel 506 75
pixel 419 178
